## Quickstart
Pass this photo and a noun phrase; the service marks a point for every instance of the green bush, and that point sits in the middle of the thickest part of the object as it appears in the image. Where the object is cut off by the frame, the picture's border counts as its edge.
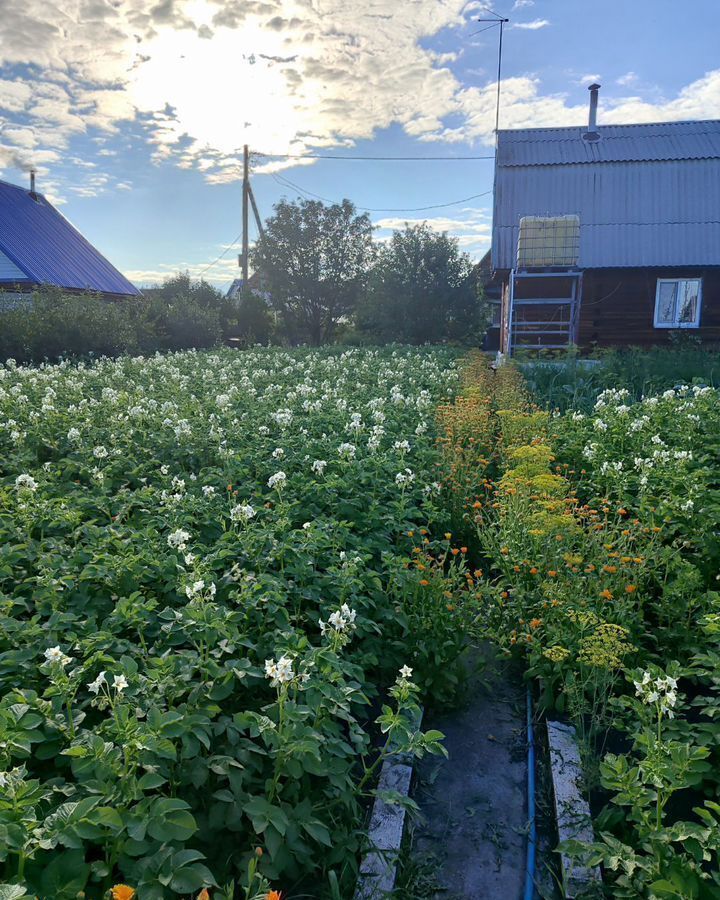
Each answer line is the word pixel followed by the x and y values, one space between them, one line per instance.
pixel 178 316
pixel 572 383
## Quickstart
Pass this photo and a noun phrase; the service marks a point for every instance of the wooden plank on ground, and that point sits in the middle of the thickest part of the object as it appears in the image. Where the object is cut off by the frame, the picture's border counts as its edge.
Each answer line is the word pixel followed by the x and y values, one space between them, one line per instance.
pixel 572 810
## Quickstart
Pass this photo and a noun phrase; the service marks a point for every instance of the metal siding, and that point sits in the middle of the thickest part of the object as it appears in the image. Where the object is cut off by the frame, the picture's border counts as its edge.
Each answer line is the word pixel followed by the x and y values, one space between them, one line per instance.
pixel 50 250
pixel 618 143
pixel 9 271
pixel 631 214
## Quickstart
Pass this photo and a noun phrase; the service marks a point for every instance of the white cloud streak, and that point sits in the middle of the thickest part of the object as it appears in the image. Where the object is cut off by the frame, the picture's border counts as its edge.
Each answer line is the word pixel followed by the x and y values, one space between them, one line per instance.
pixel 534 25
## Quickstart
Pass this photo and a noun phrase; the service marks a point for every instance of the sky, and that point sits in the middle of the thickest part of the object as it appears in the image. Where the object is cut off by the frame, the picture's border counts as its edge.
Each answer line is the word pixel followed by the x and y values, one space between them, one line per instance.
pixel 135 112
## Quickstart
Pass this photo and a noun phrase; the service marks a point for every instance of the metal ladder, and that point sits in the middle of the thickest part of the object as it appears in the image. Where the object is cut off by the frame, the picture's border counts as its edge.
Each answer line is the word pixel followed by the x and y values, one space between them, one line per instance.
pixel 540 322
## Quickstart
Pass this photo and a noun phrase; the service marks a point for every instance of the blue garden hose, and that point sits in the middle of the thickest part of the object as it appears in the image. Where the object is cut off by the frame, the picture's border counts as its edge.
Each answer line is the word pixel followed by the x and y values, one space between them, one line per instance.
pixel 532 830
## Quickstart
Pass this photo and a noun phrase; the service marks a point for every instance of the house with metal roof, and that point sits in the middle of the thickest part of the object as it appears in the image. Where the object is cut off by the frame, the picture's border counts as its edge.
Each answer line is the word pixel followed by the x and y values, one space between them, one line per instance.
pixel 38 246
pixel 607 235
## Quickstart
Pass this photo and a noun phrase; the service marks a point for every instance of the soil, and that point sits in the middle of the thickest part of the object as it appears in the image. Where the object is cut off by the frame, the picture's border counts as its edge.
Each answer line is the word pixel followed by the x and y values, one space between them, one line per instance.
pixel 474 804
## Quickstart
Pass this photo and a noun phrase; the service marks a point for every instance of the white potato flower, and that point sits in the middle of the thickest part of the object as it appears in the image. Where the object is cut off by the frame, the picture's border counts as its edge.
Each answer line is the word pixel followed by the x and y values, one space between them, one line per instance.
pixel 55 655
pixel 26 482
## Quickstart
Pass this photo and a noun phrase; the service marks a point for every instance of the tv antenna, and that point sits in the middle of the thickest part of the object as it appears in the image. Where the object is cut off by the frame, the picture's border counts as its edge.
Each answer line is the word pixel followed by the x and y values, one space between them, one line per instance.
pixel 492 23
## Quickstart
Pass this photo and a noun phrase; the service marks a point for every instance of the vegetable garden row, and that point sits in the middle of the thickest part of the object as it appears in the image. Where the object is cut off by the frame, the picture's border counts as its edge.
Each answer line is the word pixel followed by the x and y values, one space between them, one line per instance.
pixel 600 533
pixel 204 606
pixel 227 578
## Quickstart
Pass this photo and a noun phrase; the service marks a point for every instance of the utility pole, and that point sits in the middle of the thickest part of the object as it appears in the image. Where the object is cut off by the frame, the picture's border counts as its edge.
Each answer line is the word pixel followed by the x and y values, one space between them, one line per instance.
pixel 245 199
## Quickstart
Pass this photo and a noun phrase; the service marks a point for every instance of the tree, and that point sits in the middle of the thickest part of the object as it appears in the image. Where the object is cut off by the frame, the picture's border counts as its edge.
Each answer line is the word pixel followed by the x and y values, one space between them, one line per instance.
pixel 255 323
pixel 421 288
pixel 314 259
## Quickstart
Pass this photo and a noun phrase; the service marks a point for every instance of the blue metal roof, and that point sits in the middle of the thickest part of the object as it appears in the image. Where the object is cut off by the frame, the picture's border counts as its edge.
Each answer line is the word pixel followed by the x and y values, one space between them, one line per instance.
pixel 646 195
pixel 49 250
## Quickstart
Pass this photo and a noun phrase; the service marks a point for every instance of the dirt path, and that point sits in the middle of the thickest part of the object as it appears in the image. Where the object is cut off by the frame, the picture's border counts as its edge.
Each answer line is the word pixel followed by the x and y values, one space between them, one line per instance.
pixel 472 842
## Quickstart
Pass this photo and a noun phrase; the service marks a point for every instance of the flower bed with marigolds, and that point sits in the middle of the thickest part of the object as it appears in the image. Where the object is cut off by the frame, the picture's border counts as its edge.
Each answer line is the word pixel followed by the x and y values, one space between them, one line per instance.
pixel 225 584
pixel 599 534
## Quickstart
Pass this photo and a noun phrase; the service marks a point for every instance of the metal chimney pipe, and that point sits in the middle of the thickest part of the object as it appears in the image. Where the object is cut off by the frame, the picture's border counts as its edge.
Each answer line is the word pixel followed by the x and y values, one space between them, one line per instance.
pixel 32 184
pixel 592 133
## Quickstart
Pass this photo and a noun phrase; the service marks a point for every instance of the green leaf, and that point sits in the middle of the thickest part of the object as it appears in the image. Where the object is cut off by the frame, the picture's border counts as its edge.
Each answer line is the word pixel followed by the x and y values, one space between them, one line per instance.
pixel 150 780
pixel 171 821
pixel 318 831
pixel 189 879
pixel 65 875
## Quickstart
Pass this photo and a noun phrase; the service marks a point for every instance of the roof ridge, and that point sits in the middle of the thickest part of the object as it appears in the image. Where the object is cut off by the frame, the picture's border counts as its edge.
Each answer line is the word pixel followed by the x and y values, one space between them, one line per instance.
pixel 19 187
pixel 601 125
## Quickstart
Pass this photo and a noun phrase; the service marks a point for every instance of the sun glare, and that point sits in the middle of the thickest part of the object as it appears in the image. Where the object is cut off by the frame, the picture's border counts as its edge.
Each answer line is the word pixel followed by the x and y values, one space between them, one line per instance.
pixel 224 90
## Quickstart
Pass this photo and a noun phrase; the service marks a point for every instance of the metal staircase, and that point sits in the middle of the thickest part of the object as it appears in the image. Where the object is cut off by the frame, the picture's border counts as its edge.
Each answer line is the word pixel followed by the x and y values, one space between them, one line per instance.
pixel 543 309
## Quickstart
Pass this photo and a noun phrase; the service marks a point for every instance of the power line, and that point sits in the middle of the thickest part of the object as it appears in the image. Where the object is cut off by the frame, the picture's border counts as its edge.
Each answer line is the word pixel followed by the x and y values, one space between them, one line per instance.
pixel 367 158
pixel 223 254
pixel 287 183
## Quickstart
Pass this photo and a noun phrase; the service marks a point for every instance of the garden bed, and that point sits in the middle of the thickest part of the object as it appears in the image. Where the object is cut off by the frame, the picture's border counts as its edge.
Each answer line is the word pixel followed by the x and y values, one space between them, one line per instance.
pixel 205 584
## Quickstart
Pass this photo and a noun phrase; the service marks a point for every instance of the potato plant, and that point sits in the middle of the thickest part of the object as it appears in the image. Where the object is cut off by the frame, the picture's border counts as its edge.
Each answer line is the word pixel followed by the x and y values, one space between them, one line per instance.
pixel 200 556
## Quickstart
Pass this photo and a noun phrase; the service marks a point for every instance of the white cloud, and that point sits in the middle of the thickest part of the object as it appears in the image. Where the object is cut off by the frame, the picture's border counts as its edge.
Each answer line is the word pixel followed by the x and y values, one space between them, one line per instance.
pixel 204 77
pixel 221 272
pixel 534 25
pixel 627 79
pixel 207 76
pixel 471 227
pixel 588 79
pixel 523 4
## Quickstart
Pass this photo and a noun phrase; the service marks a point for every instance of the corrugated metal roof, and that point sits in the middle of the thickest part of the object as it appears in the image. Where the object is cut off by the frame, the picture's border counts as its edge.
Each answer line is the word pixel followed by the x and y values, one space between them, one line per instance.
pixel 651 197
pixel 618 143
pixel 49 250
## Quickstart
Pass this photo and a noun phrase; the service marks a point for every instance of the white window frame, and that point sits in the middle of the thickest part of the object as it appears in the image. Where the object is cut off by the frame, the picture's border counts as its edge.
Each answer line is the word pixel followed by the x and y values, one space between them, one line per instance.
pixel 676 324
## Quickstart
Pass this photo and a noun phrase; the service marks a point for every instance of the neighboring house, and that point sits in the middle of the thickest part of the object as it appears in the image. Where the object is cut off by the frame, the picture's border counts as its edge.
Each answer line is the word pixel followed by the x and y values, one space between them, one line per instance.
pixel 607 235
pixel 38 246
pixel 257 284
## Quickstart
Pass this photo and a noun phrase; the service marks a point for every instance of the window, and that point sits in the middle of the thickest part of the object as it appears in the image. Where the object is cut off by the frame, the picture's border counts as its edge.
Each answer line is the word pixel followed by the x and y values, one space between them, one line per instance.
pixel 677 302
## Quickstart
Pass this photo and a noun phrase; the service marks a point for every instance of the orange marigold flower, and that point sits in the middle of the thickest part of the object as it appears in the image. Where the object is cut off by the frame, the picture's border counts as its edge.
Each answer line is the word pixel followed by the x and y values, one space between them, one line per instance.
pixel 424 582
pixel 463 549
pixel 552 573
pixel 534 570
pixel 123 892
pixel 204 894
pixel 622 511
pixel 504 595
pixel 478 573
pixel 656 528
pixel 606 594
pixel 535 623
pixel 454 551
pixel 477 505
pixel 630 589
pixel 273 895
pixel 610 569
